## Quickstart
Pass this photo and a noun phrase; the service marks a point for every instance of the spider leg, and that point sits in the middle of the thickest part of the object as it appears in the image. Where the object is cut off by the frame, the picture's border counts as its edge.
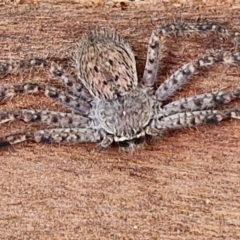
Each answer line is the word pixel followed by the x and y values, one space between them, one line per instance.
pixel 77 88
pixel 151 66
pixel 191 119
pixel 199 27
pixel 74 102
pixel 181 76
pixel 13 67
pixel 57 135
pixel 59 119
pixel 200 102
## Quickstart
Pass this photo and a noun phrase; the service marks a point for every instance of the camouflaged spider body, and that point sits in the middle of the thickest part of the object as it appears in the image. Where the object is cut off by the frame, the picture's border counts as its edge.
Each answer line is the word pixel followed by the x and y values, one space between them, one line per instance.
pixel 110 104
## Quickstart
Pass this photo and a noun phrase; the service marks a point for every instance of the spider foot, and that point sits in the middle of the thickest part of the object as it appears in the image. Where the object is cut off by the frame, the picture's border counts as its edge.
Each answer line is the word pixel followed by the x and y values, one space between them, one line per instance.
pixel 196 118
pixel 59 119
pixel 19 89
pixel 56 135
pixel 201 102
pixel 29 88
pixel 218 57
pixel 106 141
pixel 15 139
pixel 181 28
pixel 14 67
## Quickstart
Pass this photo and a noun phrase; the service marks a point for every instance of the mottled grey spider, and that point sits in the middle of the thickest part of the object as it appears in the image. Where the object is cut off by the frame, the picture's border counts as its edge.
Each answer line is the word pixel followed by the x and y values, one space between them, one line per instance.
pixel 109 103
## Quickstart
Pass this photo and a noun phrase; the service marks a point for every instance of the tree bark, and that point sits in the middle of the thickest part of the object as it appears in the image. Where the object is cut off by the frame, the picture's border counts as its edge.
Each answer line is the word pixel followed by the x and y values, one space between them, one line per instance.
pixel 183 186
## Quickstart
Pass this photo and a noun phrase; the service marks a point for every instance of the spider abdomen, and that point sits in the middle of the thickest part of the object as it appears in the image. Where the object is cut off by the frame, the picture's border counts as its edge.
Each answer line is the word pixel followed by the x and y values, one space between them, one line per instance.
pixel 105 64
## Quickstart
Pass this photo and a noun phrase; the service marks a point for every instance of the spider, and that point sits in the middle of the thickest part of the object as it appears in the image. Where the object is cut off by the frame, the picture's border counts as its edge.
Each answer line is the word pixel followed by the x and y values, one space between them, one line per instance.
pixel 108 102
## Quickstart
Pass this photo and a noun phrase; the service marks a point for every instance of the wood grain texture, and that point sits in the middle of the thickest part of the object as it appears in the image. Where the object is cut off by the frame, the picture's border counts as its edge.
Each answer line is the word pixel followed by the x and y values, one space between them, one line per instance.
pixel 185 186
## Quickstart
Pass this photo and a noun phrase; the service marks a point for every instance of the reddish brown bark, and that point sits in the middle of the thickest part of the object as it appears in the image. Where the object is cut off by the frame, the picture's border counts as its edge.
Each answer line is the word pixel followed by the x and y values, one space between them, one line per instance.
pixel 183 187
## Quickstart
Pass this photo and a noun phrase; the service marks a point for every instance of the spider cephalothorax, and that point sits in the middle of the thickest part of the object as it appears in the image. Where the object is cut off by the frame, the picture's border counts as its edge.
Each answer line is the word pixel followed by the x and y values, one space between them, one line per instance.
pixel 126 117
pixel 108 101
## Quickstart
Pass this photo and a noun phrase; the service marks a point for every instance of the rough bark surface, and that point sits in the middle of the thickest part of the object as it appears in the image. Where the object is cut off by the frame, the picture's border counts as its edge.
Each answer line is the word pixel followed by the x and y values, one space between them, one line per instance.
pixel 185 186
